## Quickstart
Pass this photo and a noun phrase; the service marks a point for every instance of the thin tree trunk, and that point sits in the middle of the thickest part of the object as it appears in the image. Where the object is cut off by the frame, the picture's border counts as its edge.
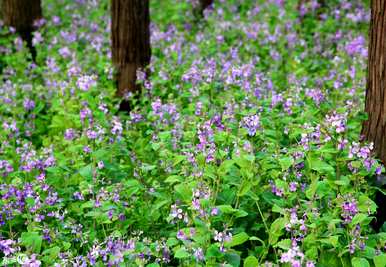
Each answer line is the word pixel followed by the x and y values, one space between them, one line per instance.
pixel 21 15
pixel 130 36
pixel 374 129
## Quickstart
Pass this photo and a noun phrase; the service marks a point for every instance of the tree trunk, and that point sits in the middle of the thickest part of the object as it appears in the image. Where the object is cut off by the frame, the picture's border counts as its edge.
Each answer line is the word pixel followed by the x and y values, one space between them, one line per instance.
pixel 130 36
pixel 374 129
pixel 21 15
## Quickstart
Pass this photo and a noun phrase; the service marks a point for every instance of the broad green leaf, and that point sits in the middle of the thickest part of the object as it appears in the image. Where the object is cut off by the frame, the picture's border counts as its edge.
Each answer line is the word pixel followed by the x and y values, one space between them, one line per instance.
pixel 286 163
pixel 380 260
pixel 226 209
pixel 276 230
pixel 251 261
pixel 246 186
pixel 331 240
pixel 359 262
pixel 240 213
pixel 184 192
pixel 213 251
pixel 238 239
pixel 277 209
pixel 284 244
pixel 173 179
pixel 320 166
pixel 181 253
pixel 233 259
pixel 52 254
pixel 178 159
pixel 312 189
pixel 86 172
pixel 358 218
pixel 32 241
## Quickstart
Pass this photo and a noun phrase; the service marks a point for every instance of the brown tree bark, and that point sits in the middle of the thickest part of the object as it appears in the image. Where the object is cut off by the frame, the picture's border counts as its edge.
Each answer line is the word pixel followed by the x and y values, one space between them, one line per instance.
pixel 130 34
pixel 374 129
pixel 21 15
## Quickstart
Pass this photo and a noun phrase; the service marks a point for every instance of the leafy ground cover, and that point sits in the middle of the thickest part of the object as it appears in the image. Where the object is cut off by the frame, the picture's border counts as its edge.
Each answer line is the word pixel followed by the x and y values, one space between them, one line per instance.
pixel 244 149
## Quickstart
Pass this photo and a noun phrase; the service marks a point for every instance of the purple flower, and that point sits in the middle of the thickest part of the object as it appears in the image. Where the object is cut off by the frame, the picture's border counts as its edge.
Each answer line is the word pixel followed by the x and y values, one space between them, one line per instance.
pixel 214 212
pixel 293 256
pixel 56 20
pixel 117 127
pixel 181 235
pixel 86 149
pixel 357 46
pixel 31 262
pixel 65 52
pixel 293 186
pixel 6 246
pixel 337 121
pixel 198 110
pixel 350 209
pixel 28 104
pixel 85 82
pixel 198 254
pixel 37 39
pixel 316 95
pixel 91 134
pixel 251 123
pixel 69 134
pixel 84 113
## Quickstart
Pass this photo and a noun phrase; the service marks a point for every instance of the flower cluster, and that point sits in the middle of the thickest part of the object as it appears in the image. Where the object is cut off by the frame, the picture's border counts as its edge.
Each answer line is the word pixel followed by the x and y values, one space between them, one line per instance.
pixel 251 123
pixel 295 257
pixel 349 209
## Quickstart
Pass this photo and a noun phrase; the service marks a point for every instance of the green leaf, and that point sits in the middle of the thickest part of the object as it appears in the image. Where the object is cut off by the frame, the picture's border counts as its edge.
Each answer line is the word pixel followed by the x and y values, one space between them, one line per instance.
pixel 212 251
pixel 359 262
pixel 246 186
pixel 365 204
pixel 321 166
pixel 312 253
pixel 86 172
pixel 358 218
pixel 171 242
pixel 331 240
pixel 225 167
pixel 310 192
pixel 380 260
pixel 178 159
pixel 184 192
pixel 276 230
pixel 329 259
pixel 32 241
pixel 66 245
pixel 284 244
pixel 237 240
pixel 286 163
pixel 173 179
pixel 240 213
pixel 226 209
pixel 233 259
pixel 52 254
pixel 251 261
pixel 181 253
pixel 277 209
